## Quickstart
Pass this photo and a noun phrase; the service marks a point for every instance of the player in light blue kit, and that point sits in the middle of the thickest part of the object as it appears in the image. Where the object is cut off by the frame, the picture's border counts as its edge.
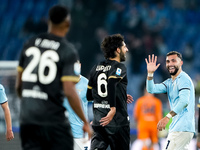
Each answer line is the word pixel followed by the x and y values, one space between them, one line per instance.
pixel 181 96
pixel 76 123
pixel 5 107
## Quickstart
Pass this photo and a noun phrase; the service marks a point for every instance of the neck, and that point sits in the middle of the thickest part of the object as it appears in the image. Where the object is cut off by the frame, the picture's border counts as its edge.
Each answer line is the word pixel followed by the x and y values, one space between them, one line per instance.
pixel 116 59
pixel 174 76
pixel 57 31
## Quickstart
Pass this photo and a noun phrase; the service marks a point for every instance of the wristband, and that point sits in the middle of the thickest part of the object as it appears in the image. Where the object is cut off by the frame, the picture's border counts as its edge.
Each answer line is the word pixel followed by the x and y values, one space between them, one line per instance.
pixel 169 115
pixel 150 75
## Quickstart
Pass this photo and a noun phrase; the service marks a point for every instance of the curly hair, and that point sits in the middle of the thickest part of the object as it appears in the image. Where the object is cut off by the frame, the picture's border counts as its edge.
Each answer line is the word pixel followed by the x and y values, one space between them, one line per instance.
pixel 110 44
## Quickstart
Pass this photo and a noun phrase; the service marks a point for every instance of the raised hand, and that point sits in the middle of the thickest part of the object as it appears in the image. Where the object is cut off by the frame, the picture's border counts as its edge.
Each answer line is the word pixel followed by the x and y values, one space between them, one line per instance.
pixel 151 64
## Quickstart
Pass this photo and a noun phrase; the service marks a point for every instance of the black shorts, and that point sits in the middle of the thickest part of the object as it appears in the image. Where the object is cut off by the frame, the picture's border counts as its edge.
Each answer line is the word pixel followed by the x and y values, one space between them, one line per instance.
pixel 52 137
pixel 117 137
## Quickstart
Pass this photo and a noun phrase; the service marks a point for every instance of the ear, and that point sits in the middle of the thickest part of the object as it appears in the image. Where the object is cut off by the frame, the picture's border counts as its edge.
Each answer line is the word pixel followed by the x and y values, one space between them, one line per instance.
pixel 118 50
pixel 67 23
pixel 181 62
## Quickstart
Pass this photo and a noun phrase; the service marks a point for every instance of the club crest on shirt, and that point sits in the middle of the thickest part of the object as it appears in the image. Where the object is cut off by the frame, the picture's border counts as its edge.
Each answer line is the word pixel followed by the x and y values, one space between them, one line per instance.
pixel 119 71
pixel 77 68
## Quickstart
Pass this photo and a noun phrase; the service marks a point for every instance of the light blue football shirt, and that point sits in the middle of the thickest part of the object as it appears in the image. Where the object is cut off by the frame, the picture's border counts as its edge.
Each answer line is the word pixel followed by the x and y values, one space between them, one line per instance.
pixel 75 122
pixel 3 97
pixel 181 98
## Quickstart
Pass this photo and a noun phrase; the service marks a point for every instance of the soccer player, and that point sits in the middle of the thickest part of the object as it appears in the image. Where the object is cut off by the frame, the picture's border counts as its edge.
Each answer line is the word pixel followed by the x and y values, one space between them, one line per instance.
pixel 107 87
pixel 48 70
pixel 76 123
pixel 147 113
pixel 180 91
pixel 5 107
pixel 198 126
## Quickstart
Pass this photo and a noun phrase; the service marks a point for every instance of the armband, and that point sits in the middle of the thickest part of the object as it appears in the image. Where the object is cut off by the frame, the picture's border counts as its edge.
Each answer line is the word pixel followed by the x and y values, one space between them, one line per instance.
pixel 169 116
pixel 150 75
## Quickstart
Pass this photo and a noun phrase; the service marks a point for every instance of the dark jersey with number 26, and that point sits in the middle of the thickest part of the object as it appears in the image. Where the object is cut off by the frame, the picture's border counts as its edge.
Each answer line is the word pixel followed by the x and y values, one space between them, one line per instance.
pixel 46 61
pixel 98 82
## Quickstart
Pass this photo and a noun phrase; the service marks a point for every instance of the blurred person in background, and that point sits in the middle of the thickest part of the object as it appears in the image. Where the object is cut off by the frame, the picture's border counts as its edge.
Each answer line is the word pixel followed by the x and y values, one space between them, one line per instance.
pixel 7 115
pixel 181 96
pixel 48 70
pixel 107 88
pixel 76 123
pixel 147 112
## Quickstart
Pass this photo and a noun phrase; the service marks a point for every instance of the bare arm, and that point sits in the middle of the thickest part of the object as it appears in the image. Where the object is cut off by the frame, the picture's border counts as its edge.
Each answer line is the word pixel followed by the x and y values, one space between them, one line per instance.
pixel 9 132
pixel 18 84
pixel 74 101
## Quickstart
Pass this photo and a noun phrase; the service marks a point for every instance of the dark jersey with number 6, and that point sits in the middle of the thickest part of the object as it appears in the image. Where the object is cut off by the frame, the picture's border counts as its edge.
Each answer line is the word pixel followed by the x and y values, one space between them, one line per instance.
pixel 98 81
pixel 46 61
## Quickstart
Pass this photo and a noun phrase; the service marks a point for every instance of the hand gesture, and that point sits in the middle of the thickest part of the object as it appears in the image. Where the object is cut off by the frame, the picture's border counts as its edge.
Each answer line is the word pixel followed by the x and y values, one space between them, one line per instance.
pixel 151 64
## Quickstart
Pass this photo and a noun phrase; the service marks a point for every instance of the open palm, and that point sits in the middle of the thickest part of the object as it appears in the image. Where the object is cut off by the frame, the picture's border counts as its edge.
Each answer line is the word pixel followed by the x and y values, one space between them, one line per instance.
pixel 151 64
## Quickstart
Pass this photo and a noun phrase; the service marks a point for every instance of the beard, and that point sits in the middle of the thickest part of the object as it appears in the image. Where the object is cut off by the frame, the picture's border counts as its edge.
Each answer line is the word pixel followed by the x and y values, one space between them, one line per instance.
pixel 175 71
pixel 122 56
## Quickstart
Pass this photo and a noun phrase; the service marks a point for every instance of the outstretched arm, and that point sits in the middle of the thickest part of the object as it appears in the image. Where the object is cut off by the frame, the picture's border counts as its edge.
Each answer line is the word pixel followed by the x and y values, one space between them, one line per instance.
pixel 151 68
pixel 9 132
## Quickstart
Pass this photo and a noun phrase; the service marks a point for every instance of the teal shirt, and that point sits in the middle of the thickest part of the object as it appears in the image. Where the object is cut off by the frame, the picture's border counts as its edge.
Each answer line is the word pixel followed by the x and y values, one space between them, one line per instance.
pixel 75 122
pixel 181 98
pixel 3 97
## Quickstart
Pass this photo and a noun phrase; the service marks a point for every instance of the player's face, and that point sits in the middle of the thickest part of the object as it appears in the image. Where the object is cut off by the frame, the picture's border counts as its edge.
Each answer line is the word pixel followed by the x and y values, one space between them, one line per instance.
pixel 173 64
pixel 123 51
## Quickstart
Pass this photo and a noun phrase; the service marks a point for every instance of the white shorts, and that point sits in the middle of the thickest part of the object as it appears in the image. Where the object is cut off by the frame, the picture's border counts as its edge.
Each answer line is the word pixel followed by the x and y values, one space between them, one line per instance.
pixel 178 141
pixel 81 144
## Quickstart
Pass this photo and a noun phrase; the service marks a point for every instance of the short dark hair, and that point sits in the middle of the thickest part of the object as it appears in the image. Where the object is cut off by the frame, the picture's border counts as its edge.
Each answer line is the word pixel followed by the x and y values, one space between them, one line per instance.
pixel 110 44
pixel 58 13
pixel 175 53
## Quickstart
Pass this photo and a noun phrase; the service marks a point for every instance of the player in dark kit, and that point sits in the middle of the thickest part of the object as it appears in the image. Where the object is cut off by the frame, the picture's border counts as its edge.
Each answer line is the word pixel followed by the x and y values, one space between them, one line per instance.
pixel 107 87
pixel 49 69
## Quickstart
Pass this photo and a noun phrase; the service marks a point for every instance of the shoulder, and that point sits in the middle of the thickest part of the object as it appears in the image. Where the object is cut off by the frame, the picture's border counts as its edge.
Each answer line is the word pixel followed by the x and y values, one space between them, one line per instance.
pixel 68 49
pixel 118 65
pixel 1 87
pixel 84 79
pixel 118 68
pixel 32 40
pixel 140 99
pixel 184 77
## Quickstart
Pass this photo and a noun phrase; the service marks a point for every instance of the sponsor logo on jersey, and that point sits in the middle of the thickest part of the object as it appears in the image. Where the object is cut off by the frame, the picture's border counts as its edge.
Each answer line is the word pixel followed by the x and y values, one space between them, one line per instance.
pixel 119 71
pixel 34 94
pixel 77 68
pixel 96 105
pixel 104 68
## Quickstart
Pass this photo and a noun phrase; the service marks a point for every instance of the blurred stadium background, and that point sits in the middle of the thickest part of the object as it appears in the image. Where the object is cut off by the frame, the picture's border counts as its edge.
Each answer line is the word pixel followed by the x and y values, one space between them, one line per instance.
pixel 149 26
